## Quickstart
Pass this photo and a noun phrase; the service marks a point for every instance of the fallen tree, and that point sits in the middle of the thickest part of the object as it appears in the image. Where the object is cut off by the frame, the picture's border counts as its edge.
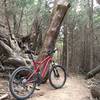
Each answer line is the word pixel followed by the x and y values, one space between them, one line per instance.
pixel 95 91
pixel 11 55
pixel 93 72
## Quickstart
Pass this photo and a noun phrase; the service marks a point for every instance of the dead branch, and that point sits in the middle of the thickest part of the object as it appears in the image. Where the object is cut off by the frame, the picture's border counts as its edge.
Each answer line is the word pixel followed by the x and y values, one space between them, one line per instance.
pixel 5 96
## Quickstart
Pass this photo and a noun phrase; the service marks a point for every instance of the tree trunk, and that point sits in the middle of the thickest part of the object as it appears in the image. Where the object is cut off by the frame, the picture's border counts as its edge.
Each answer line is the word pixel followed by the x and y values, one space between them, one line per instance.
pixel 98 1
pixel 20 20
pixel 90 15
pixel 11 55
pixel 52 32
pixel 6 17
pixel 95 91
pixel 65 43
pixel 37 34
pixel 93 72
pixel 71 55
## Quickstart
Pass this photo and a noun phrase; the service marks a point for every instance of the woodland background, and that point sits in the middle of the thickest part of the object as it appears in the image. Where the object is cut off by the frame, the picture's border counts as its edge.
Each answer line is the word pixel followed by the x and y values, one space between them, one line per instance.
pixel 24 23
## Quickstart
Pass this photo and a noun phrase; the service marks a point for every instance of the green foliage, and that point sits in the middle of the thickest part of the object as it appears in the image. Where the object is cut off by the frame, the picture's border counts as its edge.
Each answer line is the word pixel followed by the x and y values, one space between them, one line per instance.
pixel 31 9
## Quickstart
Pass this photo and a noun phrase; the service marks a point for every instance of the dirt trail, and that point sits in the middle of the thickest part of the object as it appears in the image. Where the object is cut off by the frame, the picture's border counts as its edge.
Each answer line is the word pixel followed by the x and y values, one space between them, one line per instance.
pixel 74 89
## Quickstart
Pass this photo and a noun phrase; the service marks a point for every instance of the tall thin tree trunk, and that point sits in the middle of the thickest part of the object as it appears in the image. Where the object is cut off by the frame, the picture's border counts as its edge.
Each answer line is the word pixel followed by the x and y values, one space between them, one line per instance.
pixel 64 55
pixel 7 17
pixel 71 58
pixel 20 20
pixel 90 15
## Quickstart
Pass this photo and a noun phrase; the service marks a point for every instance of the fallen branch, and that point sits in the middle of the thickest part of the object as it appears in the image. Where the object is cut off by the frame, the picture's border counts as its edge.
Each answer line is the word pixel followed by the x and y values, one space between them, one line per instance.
pixel 6 48
pixel 4 96
pixel 93 72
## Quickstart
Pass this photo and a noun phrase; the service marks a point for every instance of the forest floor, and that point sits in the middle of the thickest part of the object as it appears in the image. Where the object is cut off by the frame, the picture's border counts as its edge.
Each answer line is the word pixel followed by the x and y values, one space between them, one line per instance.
pixel 76 88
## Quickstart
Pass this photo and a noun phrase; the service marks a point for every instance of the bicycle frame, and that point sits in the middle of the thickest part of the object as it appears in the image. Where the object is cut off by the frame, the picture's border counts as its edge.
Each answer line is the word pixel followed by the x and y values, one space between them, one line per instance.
pixel 38 64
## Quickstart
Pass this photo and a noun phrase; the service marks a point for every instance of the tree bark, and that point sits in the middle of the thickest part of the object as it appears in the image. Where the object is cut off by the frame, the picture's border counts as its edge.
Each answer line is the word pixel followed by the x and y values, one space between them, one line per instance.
pixel 98 1
pixel 71 55
pixel 20 20
pixel 37 34
pixel 90 16
pixel 7 18
pixel 93 72
pixel 65 44
pixel 11 55
pixel 95 91
pixel 52 32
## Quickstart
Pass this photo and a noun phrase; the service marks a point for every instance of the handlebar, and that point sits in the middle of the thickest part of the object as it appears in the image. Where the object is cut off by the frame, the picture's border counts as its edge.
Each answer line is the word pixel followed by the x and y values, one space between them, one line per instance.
pixel 49 52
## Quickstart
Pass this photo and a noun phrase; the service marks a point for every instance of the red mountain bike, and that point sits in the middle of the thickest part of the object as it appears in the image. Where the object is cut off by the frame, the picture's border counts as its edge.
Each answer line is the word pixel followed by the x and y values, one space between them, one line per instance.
pixel 23 80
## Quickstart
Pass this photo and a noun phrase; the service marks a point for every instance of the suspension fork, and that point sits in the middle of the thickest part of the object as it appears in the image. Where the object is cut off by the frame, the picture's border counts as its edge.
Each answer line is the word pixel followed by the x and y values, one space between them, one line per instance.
pixel 56 74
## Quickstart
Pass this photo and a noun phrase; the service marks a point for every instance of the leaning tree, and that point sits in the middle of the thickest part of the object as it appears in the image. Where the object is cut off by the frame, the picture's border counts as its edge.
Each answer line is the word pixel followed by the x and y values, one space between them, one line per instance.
pixel 53 31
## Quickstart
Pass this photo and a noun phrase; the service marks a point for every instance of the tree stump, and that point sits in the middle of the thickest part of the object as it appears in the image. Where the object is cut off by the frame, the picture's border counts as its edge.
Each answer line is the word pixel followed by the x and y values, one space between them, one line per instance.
pixel 95 91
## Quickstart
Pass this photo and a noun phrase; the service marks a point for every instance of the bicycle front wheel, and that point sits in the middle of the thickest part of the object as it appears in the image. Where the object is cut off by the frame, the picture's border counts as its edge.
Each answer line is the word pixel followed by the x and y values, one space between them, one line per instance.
pixel 18 88
pixel 57 76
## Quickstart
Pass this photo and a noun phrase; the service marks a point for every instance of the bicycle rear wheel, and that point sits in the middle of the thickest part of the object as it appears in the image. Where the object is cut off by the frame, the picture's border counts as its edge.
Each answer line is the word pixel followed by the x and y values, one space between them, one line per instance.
pixel 19 89
pixel 57 76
